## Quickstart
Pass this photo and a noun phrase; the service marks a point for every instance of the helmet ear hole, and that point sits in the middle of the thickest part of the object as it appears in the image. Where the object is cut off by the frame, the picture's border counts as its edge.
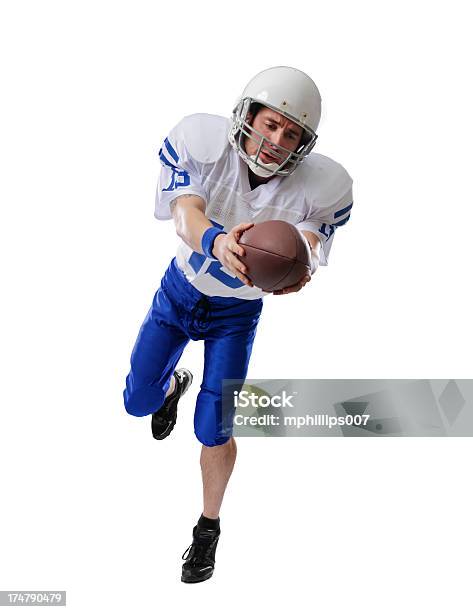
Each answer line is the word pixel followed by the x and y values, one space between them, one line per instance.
pixel 306 138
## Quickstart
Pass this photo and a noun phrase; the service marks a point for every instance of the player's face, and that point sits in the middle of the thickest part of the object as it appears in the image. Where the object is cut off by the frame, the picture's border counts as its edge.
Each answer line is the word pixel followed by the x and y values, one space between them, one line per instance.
pixel 278 130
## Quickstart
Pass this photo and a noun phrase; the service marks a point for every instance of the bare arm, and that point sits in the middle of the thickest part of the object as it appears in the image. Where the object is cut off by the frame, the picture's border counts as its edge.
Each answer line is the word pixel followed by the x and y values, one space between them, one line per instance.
pixel 314 244
pixel 188 212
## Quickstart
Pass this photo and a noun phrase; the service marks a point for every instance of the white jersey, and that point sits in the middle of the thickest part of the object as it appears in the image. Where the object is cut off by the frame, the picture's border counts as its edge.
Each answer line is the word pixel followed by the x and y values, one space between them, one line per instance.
pixel 197 158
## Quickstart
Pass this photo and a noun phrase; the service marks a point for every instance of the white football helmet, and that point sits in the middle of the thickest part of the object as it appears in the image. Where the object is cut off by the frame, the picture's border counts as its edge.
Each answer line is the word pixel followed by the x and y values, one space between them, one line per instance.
pixel 287 91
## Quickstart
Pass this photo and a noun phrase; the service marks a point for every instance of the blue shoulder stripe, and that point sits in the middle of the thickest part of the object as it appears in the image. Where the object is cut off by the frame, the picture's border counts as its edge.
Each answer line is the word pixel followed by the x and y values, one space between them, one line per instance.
pixel 165 161
pixel 342 222
pixel 339 213
pixel 172 153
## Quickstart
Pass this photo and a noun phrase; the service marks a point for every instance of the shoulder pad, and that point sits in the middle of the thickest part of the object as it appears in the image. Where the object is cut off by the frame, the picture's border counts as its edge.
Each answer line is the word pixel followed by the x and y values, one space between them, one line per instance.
pixel 205 136
pixel 324 177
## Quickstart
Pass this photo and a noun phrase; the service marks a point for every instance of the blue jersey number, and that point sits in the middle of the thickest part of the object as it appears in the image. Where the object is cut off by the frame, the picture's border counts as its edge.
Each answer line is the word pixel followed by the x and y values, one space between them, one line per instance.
pixel 327 230
pixel 196 260
pixel 179 178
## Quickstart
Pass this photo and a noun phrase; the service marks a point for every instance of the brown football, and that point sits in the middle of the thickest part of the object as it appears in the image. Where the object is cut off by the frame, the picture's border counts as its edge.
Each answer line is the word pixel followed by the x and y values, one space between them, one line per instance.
pixel 277 255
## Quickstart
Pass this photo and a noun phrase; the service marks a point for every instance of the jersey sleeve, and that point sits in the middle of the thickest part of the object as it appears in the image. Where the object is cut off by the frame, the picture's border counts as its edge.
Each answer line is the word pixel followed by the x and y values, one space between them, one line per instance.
pixel 180 173
pixel 324 222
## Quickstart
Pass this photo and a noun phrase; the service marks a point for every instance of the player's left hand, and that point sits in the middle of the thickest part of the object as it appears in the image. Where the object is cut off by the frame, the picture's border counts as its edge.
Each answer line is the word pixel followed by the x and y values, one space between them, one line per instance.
pixel 293 288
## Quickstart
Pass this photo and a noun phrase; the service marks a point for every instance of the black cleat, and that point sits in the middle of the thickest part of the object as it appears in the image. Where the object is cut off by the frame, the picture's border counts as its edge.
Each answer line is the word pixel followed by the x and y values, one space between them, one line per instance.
pixel 163 421
pixel 200 562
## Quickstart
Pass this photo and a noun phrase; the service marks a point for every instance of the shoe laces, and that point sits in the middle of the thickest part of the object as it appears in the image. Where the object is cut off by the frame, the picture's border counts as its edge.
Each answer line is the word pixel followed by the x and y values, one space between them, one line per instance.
pixel 179 376
pixel 178 379
pixel 201 547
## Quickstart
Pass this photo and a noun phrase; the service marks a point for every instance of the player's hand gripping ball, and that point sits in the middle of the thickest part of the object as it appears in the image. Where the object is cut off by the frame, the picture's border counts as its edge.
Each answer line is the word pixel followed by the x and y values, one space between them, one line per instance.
pixel 276 255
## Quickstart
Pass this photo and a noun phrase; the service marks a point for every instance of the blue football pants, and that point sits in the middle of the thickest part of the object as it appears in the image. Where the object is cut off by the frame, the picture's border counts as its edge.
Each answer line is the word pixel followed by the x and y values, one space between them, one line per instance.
pixel 179 313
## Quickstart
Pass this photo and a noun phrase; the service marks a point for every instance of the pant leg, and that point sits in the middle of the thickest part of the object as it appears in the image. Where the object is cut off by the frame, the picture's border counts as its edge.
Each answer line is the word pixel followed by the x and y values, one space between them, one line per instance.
pixel 227 354
pixel 158 348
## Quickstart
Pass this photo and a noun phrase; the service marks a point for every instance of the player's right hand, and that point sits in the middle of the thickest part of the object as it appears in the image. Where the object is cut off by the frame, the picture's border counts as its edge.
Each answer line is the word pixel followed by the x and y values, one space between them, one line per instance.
pixel 226 249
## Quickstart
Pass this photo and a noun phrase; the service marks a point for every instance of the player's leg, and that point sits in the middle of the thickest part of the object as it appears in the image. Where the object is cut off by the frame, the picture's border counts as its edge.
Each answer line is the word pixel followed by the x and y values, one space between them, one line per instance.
pixel 157 350
pixel 225 357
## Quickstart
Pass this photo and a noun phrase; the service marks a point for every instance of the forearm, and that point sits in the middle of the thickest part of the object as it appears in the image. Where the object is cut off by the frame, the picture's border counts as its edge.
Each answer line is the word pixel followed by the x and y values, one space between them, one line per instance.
pixel 190 220
pixel 314 260
pixel 314 246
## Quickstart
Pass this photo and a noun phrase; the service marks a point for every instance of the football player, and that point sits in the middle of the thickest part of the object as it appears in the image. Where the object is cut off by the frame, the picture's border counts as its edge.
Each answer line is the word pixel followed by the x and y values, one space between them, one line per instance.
pixel 218 177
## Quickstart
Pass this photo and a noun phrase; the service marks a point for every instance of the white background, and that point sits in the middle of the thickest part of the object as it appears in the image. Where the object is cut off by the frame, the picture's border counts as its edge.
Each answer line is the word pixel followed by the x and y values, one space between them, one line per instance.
pixel 89 501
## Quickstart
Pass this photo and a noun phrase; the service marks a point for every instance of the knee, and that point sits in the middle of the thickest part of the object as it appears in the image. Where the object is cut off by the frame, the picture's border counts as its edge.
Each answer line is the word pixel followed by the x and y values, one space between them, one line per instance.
pixel 143 401
pixel 213 440
pixel 213 425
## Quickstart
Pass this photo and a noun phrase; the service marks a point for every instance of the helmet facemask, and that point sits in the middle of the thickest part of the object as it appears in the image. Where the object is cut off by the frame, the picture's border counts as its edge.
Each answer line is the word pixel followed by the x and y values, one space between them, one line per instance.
pixel 286 161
